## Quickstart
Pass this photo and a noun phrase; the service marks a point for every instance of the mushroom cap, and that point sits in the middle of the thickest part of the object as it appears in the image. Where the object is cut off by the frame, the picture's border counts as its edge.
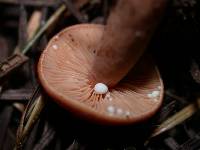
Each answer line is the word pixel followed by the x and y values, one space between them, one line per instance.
pixel 65 72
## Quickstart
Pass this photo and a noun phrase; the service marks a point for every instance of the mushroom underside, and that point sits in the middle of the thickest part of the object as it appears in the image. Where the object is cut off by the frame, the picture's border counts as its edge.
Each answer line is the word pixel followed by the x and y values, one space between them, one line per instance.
pixel 65 72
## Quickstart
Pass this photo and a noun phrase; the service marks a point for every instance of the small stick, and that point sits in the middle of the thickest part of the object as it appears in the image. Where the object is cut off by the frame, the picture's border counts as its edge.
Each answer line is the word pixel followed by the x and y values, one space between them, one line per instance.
pixel 51 21
pixel 22 27
pixel 181 99
pixel 176 119
pixel 31 2
pixel 18 95
pixel 75 11
pixel 32 27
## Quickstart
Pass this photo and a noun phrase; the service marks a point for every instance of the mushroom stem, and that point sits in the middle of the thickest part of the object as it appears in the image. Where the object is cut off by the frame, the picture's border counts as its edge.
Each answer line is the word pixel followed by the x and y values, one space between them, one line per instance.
pixel 127 33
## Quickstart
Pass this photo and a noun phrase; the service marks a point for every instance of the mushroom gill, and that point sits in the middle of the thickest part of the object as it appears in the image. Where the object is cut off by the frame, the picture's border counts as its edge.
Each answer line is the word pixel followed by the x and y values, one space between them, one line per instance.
pixel 65 72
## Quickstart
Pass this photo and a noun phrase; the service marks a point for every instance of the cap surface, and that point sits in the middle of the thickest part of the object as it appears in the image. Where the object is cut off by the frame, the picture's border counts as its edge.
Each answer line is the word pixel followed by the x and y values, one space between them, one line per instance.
pixel 65 72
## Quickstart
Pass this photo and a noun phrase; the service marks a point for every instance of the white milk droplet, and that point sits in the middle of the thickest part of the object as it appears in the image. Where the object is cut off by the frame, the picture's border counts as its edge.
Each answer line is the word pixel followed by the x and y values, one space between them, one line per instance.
pixel 155 93
pixel 56 37
pixel 108 94
pixel 119 111
pixel 100 88
pixel 127 114
pixel 110 109
pixel 149 95
pixel 110 99
pixel 55 46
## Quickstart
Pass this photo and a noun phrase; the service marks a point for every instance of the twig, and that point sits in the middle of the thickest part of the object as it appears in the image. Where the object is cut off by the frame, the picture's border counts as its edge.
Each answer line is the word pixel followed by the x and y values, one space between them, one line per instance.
pixel 22 27
pixel 75 12
pixel 32 27
pixel 16 95
pixel 170 142
pixel 51 21
pixel 176 119
pixel 191 144
pixel 11 64
pixel 181 99
pixel 31 2
pixel 165 112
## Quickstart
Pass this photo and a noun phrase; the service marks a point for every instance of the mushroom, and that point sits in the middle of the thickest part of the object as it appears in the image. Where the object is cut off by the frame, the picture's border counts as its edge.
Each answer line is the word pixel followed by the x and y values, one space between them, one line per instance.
pixel 100 72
